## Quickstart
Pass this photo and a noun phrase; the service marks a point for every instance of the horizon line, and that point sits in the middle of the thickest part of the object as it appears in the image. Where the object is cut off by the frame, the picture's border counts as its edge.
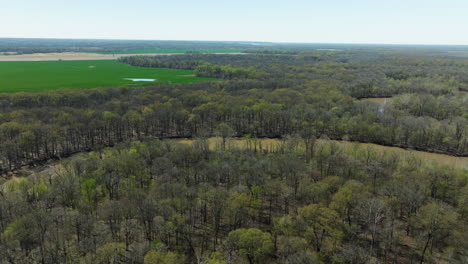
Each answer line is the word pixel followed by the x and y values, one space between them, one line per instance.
pixel 249 41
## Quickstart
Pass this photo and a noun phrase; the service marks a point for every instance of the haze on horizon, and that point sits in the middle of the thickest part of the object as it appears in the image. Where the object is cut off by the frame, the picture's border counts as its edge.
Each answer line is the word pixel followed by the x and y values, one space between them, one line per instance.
pixel 310 21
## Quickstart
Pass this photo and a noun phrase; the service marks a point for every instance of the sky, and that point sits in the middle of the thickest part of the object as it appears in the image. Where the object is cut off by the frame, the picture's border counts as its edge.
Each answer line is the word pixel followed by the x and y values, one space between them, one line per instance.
pixel 311 21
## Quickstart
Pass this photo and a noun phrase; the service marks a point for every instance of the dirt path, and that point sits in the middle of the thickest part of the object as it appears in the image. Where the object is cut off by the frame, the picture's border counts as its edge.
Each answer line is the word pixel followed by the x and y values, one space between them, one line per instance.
pixel 80 56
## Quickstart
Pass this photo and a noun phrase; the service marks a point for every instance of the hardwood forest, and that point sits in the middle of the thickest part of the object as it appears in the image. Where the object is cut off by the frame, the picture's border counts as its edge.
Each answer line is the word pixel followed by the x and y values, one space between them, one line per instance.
pixel 266 164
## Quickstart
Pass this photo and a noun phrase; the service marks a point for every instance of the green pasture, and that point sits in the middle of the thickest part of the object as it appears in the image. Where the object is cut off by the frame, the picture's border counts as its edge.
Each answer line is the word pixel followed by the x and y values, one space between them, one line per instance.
pixel 38 76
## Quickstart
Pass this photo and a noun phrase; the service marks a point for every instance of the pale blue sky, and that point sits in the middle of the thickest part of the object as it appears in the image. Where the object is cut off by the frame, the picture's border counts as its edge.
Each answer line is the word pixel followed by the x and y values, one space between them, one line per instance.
pixel 322 21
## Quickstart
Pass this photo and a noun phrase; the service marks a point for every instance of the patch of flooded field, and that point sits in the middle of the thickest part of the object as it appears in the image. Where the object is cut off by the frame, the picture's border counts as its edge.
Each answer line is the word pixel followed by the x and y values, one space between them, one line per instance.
pixel 140 80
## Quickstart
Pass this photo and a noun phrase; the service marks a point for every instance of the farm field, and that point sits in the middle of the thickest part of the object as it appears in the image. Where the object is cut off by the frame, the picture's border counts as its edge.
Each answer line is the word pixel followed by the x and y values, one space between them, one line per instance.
pixel 38 76
pixel 172 51
pixel 55 56
pixel 61 56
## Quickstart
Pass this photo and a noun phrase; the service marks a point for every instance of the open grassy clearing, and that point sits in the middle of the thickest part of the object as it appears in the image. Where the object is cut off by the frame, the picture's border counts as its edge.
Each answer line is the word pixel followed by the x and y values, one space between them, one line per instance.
pixel 39 76
pixel 270 144
pixel 273 144
pixel 171 51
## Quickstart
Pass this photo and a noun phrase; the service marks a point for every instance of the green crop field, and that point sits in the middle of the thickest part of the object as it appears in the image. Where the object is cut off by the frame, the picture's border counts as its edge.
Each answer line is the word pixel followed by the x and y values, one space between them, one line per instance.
pixel 38 76
pixel 163 51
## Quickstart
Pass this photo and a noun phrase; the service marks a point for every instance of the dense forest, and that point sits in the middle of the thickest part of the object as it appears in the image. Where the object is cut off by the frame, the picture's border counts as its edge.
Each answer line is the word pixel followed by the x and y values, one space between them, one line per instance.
pixel 122 189
pixel 260 96
pixel 303 201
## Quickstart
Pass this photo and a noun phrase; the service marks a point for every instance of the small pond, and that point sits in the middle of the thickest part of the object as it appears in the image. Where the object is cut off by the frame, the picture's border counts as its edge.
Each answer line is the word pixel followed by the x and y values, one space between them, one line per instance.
pixel 140 80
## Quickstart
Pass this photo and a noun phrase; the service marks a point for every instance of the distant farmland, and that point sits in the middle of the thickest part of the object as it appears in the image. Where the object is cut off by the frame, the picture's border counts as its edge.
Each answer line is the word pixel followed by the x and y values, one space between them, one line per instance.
pixel 38 76
pixel 172 51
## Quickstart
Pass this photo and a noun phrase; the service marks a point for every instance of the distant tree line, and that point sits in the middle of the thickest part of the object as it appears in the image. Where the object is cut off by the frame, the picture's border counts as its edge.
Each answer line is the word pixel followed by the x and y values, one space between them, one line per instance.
pixel 28 45
pixel 201 68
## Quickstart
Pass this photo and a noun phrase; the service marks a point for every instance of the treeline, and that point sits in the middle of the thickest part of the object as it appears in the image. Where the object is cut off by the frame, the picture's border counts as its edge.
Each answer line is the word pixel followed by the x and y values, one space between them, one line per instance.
pixel 28 45
pixel 226 72
pixel 299 201
pixel 437 85
pixel 438 107
pixel 35 128
pixel 359 74
pixel 201 68
pixel 273 51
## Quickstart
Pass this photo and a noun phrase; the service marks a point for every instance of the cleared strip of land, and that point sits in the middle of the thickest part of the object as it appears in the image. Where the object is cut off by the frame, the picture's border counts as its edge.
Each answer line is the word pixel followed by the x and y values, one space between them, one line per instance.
pixel 80 56
pixel 271 144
